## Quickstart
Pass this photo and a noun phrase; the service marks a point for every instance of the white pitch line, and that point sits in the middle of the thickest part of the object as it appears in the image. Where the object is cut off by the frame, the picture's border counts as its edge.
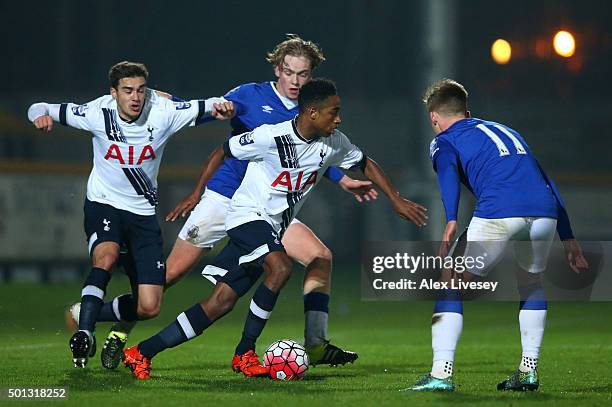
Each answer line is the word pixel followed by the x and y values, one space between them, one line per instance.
pixel 31 346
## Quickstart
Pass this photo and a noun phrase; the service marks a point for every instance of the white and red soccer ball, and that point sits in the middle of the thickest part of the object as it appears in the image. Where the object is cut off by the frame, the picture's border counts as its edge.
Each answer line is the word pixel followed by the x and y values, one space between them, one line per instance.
pixel 287 360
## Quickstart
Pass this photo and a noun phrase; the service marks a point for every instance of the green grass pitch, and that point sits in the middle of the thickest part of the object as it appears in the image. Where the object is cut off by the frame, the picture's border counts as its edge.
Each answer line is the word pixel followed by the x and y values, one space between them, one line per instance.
pixel 392 339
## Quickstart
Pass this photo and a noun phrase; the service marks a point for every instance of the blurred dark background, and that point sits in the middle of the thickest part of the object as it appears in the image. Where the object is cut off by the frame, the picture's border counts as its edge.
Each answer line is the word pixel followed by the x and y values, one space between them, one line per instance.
pixel 382 54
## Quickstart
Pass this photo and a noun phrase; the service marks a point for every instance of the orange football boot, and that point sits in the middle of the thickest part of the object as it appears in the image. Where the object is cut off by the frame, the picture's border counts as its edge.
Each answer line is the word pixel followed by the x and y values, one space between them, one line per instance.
pixel 249 364
pixel 137 363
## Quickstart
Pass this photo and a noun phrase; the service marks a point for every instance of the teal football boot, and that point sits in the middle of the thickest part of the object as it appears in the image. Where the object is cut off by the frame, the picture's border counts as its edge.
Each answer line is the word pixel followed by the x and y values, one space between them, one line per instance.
pixel 430 383
pixel 521 381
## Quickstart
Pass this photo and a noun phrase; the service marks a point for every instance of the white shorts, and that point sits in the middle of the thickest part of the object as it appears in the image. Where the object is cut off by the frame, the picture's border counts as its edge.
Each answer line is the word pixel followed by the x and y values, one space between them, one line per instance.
pixel 205 225
pixel 532 237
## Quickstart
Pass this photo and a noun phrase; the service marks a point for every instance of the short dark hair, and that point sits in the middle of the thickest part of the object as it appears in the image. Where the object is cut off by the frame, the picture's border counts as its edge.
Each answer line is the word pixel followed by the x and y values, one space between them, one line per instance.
pixel 316 91
pixel 447 97
pixel 126 69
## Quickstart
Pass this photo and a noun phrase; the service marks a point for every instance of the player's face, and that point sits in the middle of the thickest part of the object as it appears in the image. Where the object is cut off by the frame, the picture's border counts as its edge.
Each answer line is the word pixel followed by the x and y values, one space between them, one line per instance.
pixel 130 96
pixel 292 74
pixel 327 117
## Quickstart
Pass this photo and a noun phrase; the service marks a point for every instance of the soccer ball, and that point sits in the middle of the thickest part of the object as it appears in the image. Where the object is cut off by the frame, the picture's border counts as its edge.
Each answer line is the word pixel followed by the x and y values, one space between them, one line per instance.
pixel 287 360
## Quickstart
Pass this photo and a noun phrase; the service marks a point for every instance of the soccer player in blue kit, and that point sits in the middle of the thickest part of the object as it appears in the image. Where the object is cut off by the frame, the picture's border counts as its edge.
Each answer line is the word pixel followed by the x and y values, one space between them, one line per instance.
pixel 516 201
pixel 255 104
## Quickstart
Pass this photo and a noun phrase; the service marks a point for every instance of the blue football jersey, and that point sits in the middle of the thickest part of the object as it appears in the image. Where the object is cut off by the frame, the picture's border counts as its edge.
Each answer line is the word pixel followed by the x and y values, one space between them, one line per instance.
pixel 256 104
pixel 494 162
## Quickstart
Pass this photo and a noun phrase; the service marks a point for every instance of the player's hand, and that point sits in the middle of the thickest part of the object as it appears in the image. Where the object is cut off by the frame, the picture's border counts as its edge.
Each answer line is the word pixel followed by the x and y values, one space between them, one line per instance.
pixel 411 211
pixel 184 207
pixel 361 190
pixel 44 123
pixel 447 237
pixel 575 257
pixel 223 110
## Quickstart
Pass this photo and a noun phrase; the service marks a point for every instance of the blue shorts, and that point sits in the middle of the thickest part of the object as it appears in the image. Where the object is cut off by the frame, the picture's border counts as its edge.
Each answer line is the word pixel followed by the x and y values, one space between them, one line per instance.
pixel 140 234
pixel 240 263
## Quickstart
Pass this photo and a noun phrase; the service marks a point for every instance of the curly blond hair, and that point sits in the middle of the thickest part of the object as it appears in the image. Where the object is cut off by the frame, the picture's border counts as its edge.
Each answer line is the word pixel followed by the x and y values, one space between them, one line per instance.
pixel 297 47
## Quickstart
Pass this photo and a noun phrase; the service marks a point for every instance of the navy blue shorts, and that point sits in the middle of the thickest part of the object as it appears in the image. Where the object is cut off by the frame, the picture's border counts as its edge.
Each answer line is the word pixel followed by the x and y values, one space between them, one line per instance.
pixel 240 263
pixel 140 234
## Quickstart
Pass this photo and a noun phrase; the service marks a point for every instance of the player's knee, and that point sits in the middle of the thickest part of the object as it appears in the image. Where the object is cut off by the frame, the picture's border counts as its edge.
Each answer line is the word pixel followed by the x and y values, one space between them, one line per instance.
pixel 105 261
pixel 325 254
pixel 221 302
pixel 148 310
pixel 279 274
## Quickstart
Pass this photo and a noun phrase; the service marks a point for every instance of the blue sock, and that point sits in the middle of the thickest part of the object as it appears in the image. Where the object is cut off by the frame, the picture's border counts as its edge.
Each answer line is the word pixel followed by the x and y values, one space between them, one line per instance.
pixel 92 298
pixel 121 308
pixel 187 325
pixel 449 300
pixel 532 297
pixel 259 312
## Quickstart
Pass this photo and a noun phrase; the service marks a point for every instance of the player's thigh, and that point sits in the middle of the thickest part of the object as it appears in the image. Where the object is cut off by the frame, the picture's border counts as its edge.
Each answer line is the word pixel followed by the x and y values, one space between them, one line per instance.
pixel 303 245
pixel 103 228
pixel 532 253
pixel 182 258
pixel 145 245
pixel 205 225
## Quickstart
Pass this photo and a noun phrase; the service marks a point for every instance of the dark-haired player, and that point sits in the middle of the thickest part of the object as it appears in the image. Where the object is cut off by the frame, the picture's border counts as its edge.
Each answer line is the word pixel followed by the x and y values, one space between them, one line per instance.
pixel 293 60
pixel 130 129
pixel 286 162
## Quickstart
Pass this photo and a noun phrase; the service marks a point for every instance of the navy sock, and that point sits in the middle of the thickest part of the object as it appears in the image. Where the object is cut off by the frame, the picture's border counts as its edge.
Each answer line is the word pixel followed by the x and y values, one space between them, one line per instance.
pixel 92 298
pixel 187 325
pixel 121 308
pixel 315 301
pixel 259 312
pixel 449 300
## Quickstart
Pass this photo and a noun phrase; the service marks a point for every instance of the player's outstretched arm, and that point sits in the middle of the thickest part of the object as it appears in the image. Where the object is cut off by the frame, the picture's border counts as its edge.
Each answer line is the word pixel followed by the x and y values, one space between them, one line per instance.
pixel 405 208
pixel 220 108
pixel 361 190
pixel 215 159
pixel 43 114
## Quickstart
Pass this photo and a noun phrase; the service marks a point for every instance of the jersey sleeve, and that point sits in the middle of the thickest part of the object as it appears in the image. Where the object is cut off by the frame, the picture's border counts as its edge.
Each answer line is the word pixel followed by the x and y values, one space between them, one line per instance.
pixel 445 162
pixel 564 227
pixel 239 96
pixel 351 155
pixel 68 114
pixel 185 113
pixel 248 146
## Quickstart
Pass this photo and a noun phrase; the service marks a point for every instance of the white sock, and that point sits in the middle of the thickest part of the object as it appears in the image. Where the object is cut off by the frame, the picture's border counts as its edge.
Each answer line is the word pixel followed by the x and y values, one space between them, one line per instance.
pixel 315 330
pixel 532 324
pixel 445 332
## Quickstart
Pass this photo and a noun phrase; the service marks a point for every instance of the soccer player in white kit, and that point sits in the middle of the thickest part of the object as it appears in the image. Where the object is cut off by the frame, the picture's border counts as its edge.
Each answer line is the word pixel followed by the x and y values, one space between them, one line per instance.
pixel 286 162
pixel 516 201
pixel 294 61
pixel 130 129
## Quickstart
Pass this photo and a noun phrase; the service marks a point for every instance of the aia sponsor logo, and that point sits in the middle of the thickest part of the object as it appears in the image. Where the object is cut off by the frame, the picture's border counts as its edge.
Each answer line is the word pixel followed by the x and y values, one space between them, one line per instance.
pixel 300 183
pixel 133 156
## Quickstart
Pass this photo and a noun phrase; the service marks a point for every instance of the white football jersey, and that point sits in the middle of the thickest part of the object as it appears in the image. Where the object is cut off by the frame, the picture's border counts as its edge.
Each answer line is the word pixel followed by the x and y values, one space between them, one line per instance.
pixel 127 154
pixel 283 170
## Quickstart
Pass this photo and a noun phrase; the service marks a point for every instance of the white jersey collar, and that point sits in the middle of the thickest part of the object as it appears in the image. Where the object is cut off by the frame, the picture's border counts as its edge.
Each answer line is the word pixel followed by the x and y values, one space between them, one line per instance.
pixel 289 104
